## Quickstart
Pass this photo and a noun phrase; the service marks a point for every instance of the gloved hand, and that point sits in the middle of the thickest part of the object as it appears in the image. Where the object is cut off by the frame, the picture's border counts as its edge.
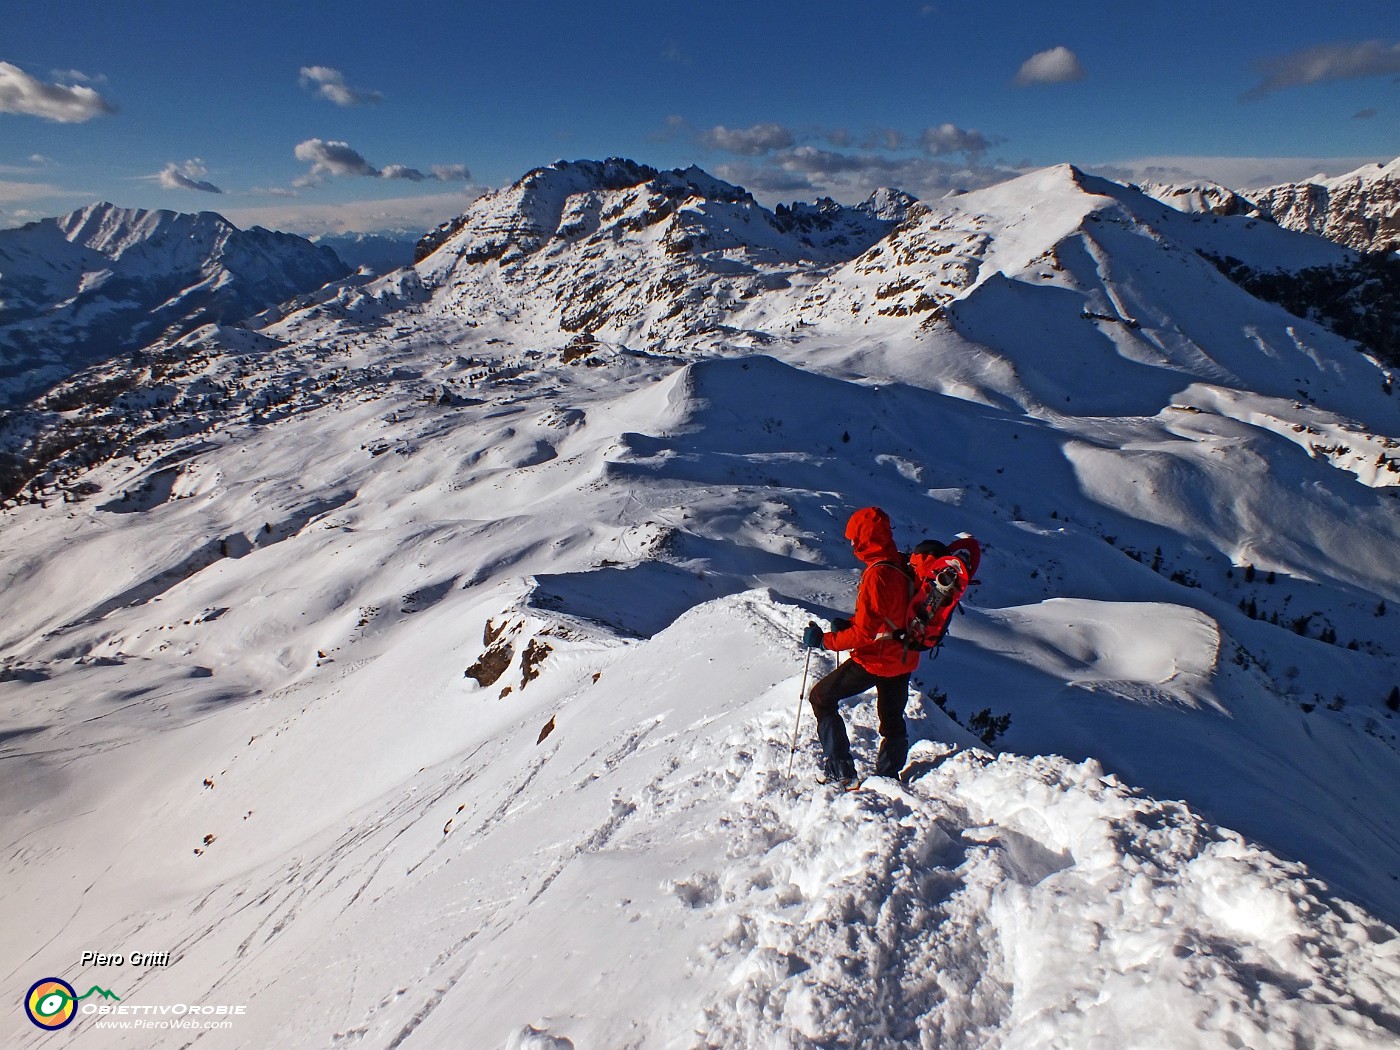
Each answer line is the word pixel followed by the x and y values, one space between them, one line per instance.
pixel 812 636
pixel 838 625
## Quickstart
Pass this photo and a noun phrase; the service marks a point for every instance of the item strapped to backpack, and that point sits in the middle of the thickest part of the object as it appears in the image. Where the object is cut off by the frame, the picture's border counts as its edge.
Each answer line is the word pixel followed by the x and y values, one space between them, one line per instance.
pixel 938 578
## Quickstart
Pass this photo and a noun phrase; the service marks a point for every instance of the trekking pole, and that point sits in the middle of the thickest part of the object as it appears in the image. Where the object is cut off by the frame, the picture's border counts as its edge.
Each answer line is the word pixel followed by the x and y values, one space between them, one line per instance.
pixel 800 697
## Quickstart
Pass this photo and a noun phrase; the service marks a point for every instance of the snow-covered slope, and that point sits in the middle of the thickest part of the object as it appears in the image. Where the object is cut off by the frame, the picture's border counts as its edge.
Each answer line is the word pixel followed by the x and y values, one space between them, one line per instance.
pixel 439 689
pixel 105 280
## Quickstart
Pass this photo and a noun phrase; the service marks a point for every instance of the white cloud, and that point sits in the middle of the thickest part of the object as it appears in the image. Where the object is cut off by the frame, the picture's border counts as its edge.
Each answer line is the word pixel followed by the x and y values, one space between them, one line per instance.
pixel 22 202
pixel 72 104
pixel 851 177
pixel 1058 65
pixel 186 176
pixel 332 159
pixel 422 212
pixel 948 138
pixel 77 76
pixel 812 161
pixel 784 162
pixel 35 163
pixel 782 142
pixel 451 172
pixel 767 181
pixel 329 84
pixel 18 217
pixel 750 142
pixel 1313 65
pixel 15 192
pixel 402 171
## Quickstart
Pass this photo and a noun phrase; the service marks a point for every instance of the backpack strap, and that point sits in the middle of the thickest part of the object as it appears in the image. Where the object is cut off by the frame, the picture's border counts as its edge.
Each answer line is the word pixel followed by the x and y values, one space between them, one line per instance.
pixel 903 568
pixel 911 587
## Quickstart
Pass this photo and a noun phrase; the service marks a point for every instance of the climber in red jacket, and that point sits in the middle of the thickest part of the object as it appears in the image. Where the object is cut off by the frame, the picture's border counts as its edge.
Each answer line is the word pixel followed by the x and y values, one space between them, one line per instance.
pixel 878 658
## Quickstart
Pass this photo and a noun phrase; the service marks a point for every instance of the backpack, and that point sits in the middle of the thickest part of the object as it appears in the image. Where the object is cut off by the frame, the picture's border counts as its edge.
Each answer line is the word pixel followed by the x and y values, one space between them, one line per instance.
pixel 938 575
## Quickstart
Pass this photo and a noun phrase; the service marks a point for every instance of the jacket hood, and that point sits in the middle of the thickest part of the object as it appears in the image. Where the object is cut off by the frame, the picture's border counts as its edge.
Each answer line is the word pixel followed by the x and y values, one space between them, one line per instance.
pixel 870 535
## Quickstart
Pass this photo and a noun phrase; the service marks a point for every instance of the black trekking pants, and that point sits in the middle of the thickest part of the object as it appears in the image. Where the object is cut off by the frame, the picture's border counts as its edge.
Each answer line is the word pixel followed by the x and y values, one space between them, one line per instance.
pixel 891 697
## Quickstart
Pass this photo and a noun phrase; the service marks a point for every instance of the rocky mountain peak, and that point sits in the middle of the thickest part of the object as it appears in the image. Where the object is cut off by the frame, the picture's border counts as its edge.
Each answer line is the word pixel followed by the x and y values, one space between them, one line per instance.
pixel 641 253
pixel 888 204
pixel 524 214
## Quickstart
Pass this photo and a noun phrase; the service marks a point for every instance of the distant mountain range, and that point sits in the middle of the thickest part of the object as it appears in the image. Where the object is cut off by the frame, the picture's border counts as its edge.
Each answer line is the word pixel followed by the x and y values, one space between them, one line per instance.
pixel 620 247
pixel 105 281
pixel 380 252
pixel 618 250
pixel 1360 209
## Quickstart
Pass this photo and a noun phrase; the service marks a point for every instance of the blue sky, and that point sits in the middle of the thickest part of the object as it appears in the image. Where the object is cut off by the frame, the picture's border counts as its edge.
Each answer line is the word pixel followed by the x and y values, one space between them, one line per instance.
pixel 314 116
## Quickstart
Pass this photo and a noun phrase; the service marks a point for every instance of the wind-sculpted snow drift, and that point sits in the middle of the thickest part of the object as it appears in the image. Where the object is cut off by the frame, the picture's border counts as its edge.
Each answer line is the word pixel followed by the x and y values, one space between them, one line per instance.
pixel 446 699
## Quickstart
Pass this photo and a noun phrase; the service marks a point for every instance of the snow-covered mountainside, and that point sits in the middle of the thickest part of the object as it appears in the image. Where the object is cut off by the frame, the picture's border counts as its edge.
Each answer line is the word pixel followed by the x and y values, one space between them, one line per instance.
pixel 426 672
pixel 104 281
pixel 1360 209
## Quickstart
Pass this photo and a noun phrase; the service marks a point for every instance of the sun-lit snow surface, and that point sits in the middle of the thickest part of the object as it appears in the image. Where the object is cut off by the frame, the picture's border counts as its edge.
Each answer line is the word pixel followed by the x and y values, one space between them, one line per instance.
pixel 237 726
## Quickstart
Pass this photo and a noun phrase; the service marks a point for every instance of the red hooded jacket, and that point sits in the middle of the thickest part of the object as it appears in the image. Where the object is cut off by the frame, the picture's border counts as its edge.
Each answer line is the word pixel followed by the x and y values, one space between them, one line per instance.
pixel 882 603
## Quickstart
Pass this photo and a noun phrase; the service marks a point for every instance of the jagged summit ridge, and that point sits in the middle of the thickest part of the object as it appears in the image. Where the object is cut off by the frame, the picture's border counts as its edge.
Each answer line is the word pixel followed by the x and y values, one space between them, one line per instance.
pixel 529 211
pixel 619 248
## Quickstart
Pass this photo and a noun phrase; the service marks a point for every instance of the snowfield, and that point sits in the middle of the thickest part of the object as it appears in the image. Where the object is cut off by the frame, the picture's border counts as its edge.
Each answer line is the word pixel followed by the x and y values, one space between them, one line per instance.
pixel 456 709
